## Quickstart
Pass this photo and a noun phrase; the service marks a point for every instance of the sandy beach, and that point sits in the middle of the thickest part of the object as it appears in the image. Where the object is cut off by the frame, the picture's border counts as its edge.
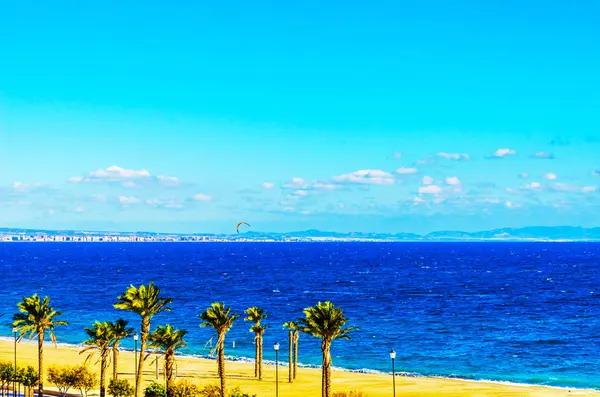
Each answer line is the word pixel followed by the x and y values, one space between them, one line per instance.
pixel 203 371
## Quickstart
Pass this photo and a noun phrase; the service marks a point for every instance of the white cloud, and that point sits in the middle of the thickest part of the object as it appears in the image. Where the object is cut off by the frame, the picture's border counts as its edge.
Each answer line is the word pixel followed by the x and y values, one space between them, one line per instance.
pixel 24 187
pixel 371 177
pixel 297 183
pixel 127 177
pixel 51 212
pixel 510 204
pixel 129 200
pixel 301 193
pixel 418 200
pixel 454 156
pixel 542 155
pixel 452 180
pixel 550 176
pixel 589 189
pixel 268 185
pixel 164 203
pixel 202 197
pixel 503 152
pixel 523 175
pixel 79 209
pixel 427 180
pixel 532 185
pixel 397 155
pixel 404 171
pixel 565 187
pixel 99 197
pixel 325 186
pixel 430 189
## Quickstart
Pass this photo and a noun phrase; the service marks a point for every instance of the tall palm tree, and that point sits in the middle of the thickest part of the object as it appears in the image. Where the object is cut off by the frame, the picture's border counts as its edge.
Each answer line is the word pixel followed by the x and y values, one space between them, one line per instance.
pixel 168 340
pixel 119 331
pixel 221 319
pixel 327 323
pixel 37 318
pixel 100 340
pixel 292 327
pixel 146 302
pixel 296 340
pixel 256 315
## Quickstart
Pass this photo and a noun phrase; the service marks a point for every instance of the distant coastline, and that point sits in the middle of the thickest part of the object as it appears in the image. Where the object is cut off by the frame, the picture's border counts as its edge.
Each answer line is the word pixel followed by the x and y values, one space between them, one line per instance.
pixel 527 234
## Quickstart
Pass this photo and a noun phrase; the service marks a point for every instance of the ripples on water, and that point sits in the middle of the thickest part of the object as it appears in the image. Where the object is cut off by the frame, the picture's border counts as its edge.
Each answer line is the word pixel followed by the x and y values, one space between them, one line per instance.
pixel 524 312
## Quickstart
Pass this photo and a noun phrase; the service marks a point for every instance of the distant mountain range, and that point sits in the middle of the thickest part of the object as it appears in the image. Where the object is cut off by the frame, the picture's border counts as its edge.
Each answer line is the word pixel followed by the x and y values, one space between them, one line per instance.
pixel 505 234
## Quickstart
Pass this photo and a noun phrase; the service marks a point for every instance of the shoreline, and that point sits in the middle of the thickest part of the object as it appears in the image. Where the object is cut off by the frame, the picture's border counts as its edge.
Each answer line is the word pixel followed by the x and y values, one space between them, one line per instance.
pixel 7 344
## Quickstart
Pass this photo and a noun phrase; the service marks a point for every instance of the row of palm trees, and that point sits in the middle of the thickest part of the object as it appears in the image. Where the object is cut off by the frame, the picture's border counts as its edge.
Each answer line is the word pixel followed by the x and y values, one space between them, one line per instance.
pixel 37 319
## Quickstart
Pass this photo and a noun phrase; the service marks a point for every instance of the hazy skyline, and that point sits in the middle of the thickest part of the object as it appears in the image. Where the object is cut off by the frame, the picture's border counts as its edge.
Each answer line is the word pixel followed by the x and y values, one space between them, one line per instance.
pixel 375 117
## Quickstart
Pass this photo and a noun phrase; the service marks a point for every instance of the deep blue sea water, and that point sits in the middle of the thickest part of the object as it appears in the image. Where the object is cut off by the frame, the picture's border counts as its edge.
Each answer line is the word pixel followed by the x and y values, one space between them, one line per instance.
pixel 521 312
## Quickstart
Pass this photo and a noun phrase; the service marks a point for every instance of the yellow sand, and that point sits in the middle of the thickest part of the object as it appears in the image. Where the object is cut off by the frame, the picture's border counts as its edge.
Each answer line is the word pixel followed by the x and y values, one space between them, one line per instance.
pixel 307 384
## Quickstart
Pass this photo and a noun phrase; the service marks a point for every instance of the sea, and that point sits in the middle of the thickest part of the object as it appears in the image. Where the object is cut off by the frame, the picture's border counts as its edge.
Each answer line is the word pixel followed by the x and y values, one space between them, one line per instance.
pixel 509 312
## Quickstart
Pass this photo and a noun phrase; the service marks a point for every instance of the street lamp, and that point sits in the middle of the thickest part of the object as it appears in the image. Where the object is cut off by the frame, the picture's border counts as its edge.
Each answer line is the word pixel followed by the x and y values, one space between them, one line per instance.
pixel 135 339
pixel 15 378
pixel 393 357
pixel 276 347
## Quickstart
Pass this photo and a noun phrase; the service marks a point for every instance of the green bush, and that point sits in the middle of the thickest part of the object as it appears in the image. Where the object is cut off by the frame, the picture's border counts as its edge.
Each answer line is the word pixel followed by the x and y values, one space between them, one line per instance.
pixel 84 380
pixel 185 388
pixel 120 388
pixel 155 390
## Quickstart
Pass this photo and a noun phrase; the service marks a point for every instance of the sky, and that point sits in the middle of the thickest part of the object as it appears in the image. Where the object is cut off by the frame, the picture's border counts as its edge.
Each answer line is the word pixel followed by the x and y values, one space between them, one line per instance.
pixel 380 116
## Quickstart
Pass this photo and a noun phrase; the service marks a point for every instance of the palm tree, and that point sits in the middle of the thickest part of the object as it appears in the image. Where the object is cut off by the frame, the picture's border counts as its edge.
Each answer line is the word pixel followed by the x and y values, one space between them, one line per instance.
pixel 296 339
pixel 168 340
pixel 147 302
pixel 292 327
pixel 100 340
pixel 119 332
pixel 327 323
pixel 256 315
pixel 37 318
pixel 219 317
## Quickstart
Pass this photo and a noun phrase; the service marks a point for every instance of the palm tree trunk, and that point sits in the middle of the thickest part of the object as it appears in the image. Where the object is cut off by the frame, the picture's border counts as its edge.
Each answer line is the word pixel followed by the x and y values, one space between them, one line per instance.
pixel 169 361
pixel 256 354
pixel 144 339
pixel 41 363
pixel 260 357
pixel 326 368
pixel 296 338
pixel 103 374
pixel 115 351
pixel 291 360
pixel 221 349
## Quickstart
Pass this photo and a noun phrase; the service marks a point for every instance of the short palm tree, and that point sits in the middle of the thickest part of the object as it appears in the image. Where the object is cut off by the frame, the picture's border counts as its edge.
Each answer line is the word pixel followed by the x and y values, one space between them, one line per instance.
pixel 327 323
pixel 100 341
pixel 256 315
pixel 168 340
pixel 37 318
pixel 292 330
pixel 119 331
pixel 146 302
pixel 221 319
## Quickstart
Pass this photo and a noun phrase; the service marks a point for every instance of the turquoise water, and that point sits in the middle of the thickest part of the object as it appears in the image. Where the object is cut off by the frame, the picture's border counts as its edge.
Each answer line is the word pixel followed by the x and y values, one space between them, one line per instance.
pixel 519 312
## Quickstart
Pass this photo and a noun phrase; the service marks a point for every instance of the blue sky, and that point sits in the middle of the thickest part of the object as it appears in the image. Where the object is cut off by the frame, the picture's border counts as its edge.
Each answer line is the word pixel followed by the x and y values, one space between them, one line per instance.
pixel 375 116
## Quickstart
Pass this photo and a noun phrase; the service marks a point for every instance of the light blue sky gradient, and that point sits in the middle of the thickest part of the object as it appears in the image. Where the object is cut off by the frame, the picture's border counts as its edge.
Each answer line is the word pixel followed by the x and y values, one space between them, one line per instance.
pixel 236 99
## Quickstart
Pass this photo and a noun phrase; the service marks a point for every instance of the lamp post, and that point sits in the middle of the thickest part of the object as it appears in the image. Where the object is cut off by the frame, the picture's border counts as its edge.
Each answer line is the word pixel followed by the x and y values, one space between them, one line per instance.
pixel 393 357
pixel 276 347
pixel 135 339
pixel 15 374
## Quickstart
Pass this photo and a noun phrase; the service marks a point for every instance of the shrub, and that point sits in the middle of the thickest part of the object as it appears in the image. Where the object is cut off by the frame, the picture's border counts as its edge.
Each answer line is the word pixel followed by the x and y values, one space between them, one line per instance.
pixel 29 378
pixel 7 374
pixel 185 388
pixel 210 391
pixel 64 378
pixel 85 380
pixel 155 390
pixel 120 388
